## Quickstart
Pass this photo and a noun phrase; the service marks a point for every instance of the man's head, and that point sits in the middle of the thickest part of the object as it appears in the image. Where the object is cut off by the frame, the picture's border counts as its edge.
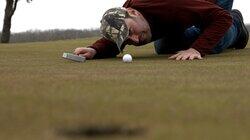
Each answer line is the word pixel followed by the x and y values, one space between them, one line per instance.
pixel 125 26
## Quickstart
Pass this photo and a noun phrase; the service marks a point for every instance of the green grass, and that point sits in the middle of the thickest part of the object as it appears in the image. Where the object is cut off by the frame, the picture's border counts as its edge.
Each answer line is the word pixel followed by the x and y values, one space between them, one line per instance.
pixel 42 94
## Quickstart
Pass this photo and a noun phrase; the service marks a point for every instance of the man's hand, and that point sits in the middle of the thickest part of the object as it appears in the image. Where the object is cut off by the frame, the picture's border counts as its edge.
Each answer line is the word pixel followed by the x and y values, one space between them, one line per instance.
pixel 189 54
pixel 89 53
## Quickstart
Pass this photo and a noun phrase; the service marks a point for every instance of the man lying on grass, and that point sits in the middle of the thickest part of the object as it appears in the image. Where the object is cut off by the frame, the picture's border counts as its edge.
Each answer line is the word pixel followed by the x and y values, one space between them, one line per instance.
pixel 188 29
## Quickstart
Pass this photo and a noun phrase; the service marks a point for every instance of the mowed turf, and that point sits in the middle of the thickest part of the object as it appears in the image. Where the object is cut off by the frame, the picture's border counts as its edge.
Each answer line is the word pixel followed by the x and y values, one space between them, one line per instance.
pixel 45 97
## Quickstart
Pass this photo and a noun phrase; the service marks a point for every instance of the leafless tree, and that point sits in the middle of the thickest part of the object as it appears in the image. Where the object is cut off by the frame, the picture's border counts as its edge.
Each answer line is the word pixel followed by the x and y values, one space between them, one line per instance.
pixel 10 9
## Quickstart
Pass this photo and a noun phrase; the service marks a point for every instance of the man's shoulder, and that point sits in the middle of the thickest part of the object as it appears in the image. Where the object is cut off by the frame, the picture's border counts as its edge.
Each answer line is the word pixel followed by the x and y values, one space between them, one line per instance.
pixel 130 3
pixel 127 3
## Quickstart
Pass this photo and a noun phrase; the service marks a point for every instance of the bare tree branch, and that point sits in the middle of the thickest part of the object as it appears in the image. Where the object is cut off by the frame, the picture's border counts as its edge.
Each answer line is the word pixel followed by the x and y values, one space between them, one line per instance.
pixel 14 7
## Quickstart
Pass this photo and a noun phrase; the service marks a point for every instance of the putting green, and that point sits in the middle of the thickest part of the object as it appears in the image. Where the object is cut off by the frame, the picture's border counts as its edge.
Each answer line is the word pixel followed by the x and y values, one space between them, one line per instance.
pixel 45 97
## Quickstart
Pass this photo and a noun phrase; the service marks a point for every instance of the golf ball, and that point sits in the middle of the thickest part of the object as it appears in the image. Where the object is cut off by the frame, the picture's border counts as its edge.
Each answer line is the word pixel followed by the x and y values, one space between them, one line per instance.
pixel 127 58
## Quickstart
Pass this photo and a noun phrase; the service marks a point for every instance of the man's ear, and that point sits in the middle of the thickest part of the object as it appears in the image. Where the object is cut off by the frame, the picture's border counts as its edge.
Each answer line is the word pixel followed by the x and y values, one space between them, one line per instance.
pixel 132 12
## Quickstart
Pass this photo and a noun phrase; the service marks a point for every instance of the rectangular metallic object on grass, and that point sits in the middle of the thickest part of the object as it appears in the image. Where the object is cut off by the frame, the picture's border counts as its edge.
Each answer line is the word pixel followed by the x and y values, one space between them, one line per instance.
pixel 74 57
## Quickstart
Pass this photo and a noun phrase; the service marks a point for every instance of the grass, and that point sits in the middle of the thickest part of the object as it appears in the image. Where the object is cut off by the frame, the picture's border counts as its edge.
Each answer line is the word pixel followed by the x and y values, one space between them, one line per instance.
pixel 45 97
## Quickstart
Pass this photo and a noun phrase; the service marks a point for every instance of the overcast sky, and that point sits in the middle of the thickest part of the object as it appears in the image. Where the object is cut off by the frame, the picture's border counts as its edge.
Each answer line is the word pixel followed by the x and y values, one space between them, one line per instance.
pixel 76 14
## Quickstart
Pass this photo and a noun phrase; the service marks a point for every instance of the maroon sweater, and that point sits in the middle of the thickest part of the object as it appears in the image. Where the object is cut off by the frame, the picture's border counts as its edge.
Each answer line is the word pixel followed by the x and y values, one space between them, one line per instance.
pixel 169 16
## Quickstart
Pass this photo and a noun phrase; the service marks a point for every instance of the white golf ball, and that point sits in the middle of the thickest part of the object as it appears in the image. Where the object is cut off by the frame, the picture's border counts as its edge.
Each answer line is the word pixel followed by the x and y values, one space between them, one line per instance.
pixel 127 58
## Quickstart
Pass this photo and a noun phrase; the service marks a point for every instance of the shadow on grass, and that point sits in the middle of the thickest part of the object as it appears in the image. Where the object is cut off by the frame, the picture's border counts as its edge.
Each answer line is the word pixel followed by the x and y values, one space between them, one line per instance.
pixel 100 131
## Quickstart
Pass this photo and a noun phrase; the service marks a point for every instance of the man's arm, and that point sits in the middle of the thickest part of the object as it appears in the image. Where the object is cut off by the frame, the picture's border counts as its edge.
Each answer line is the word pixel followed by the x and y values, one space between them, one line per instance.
pixel 213 32
pixel 105 48
pixel 215 22
pixel 102 48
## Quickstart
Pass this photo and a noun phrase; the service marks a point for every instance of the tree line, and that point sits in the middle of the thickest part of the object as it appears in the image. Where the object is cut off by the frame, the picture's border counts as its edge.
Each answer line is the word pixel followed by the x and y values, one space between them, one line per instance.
pixel 52 35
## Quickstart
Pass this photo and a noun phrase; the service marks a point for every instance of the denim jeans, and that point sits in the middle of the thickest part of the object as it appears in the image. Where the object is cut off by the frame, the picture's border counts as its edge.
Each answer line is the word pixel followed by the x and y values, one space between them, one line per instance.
pixel 169 44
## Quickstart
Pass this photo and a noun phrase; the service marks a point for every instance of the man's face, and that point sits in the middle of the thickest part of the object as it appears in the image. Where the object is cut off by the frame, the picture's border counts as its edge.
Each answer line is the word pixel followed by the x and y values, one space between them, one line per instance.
pixel 139 30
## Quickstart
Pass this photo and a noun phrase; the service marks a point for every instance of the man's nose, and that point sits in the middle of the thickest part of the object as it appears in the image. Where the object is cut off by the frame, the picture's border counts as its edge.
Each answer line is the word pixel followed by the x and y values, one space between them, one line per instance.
pixel 134 38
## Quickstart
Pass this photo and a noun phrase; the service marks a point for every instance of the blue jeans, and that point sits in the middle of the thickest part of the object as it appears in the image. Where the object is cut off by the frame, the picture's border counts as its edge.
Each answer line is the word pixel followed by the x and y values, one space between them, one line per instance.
pixel 169 44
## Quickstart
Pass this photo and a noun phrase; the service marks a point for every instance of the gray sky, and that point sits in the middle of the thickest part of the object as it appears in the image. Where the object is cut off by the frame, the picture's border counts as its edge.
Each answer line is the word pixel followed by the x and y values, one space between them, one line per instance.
pixel 76 14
